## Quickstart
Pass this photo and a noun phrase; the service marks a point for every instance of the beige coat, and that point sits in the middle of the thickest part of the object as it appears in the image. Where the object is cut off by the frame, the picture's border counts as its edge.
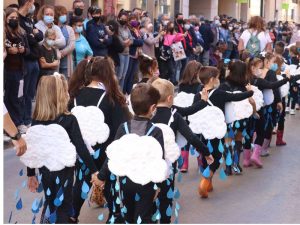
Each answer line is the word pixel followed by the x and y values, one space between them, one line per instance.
pixel 68 50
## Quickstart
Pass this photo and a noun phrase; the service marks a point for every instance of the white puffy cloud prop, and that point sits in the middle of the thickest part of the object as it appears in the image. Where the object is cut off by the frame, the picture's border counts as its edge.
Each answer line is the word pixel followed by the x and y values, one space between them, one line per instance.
pixel 235 111
pixel 184 99
pixel 258 98
pixel 48 146
pixel 139 158
pixel 294 70
pixel 268 96
pixel 210 122
pixel 172 151
pixel 284 89
pixel 91 122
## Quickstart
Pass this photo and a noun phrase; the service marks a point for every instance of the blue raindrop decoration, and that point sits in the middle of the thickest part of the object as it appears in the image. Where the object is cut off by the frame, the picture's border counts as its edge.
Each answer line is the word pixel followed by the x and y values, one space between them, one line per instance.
pixel 101 217
pixel 17 194
pixel 221 160
pixel 222 174
pixel 228 159
pixel 124 210
pixel 52 217
pixel 35 206
pixel 154 217
pixel 168 182
pixel 24 183
pixel 33 219
pixel 41 202
pixel 118 201
pixel 84 195
pixel 206 172
pixel 47 213
pixel 236 158
pixel 270 110
pixel 21 173
pixel 176 194
pixel 232 143
pixel 40 188
pixel 231 133
pixel 244 133
pixel 176 221
pixel 80 175
pixel 180 162
pixel 117 186
pixel 48 192
pixel 112 219
pixel 137 197
pixel 83 167
pixel 124 181
pixel 19 204
pixel 96 154
pixel 40 178
pixel 170 193
pixel 66 183
pixel 169 211
pixel 57 180
pixel 57 202
pixel 237 125
pixel 221 147
pixel 210 148
pixel 85 187
pixel 139 220
pixel 177 206
pixel 112 177
pixel 155 187
pixel 192 150
pixel 87 171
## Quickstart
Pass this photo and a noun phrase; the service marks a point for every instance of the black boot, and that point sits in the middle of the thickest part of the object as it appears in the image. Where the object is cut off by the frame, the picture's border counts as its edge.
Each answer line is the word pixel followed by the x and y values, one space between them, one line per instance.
pixel 228 169
pixel 238 149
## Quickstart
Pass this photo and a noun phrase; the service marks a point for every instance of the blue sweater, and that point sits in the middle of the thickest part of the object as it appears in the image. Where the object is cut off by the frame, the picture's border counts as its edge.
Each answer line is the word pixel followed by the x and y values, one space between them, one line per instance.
pixel 82 49
pixel 94 32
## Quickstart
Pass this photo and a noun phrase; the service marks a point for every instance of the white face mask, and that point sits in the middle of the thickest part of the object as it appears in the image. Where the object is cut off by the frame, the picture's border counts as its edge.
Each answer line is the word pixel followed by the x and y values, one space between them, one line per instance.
pixel 165 22
pixel 187 26
pixel 230 28
pixel 258 73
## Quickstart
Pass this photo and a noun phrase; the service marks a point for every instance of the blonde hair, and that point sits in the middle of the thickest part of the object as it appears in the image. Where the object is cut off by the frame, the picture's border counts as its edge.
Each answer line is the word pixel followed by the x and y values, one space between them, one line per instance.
pixel 40 15
pixel 165 88
pixel 51 98
pixel 50 32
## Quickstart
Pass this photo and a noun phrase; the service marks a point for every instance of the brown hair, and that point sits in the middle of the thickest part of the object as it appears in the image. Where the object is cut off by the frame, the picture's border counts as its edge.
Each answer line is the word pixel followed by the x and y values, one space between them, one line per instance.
pixel 256 23
pixel 77 80
pixel 279 48
pixel 146 63
pixel 237 72
pixel 191 73
pixel 41 12
pixel 294 50
pixel 102 69
pixel 279 61
pixel 51 98
pixel 165 88
pixel 252 62
pixel 18 32
pixel 58 11
pixel 207 72
pixel 142 97
pixel 268 57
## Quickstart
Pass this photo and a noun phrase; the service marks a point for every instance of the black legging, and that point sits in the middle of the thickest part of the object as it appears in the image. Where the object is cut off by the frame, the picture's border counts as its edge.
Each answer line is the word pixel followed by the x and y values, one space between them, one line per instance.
pixel 282 116
pixel 271 121
pixel 250 132
pixel 216 154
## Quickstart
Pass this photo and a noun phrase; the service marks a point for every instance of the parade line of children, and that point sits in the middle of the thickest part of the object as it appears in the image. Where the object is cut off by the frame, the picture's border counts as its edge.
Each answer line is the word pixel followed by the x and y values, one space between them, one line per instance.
pixel 88 134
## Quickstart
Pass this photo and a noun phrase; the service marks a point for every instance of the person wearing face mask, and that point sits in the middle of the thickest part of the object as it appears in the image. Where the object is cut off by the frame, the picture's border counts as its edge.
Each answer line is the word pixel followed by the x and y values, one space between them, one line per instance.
pixel 149 40
pixel 66 61
pixel 46 21
pixel 126 40
pixel 17 48
pixel 49 62
pixel 89 16
pixel 191 40
pixel 209 76
pixel 78 8
pixel 82 48
pixel 215 27
pixel 256 76
pixel 97 35
pixel 208 37
pixel 134 50
pixel 225 39
pixel 34 36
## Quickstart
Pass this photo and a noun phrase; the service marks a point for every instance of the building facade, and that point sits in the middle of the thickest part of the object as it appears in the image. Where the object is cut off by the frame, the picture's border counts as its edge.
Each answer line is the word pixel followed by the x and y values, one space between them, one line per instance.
pixel 241 9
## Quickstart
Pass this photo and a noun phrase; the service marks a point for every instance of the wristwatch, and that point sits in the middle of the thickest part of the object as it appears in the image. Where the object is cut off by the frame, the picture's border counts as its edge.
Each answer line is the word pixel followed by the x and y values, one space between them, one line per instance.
pixel 16 137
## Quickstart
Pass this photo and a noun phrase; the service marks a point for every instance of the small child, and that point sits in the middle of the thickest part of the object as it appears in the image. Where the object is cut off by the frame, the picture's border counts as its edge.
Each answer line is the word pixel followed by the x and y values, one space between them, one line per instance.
pixel 48 58
pixel 163 115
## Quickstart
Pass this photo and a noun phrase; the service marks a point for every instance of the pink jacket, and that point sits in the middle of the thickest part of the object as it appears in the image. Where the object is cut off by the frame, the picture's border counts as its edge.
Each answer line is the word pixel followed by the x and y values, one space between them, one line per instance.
pixel 170 39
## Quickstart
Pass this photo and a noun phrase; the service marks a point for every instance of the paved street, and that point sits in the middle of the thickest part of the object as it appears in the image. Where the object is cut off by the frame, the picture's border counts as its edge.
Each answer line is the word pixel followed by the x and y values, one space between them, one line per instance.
pixel 268 195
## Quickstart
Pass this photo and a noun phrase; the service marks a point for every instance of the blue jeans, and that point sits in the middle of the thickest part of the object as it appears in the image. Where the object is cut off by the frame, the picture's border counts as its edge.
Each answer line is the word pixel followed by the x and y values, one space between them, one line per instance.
pixel 131 71
pixel 30 85
pixel 124 61
pixel 180 66
pixel 13 103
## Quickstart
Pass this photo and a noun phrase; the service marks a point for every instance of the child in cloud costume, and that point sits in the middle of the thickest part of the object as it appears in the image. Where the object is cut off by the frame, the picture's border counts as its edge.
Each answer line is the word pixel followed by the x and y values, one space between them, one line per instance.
pixel 100 108
pixel 136 160
pixel 53 142
pixel 211 123
pixel 168 119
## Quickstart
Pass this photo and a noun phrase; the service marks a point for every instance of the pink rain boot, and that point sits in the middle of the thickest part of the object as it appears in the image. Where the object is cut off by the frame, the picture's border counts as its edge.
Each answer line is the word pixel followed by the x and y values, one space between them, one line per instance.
pixel 185 165
pixel 265 148
pixel 255 158
pixel 247 157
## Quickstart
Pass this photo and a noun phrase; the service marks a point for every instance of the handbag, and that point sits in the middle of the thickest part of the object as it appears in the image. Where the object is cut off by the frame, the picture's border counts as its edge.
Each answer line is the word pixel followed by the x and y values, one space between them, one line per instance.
pixel 178 51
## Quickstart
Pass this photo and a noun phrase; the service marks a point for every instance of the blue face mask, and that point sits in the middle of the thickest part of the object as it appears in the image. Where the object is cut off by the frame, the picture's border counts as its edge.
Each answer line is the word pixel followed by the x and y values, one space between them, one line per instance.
pixel 48 19
pixel 78 29
pixel 274 67
pixel 283 68
pixel 50 43
pixel 63 19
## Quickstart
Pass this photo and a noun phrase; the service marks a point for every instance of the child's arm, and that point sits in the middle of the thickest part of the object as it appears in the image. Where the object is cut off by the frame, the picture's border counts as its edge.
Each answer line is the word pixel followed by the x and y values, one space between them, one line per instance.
pixel 46 65
pixel 187 111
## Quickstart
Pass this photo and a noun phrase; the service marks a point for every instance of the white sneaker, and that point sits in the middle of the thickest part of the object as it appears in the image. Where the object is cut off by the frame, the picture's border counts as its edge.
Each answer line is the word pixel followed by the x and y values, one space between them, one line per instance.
pixel 287 109
pixel 292 112
pixel 297 107
pixel 6 138
pixel 265 152
pixel 22 129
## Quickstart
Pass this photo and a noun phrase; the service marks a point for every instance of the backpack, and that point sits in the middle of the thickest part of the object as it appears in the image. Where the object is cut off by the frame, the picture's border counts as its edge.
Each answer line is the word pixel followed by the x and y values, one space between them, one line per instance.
pixel 253 45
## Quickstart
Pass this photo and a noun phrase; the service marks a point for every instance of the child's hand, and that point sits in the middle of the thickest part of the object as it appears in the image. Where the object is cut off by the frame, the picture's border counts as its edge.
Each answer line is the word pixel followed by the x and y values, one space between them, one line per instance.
pixel 279 107
pixel 33 184
pixel 204 95
pixel 209 159
pixel 249 87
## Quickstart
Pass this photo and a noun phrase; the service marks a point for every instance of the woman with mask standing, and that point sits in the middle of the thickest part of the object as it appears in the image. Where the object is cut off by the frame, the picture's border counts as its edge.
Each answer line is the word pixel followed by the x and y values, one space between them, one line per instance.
pixel 82 48
pixel 16 45
pixel 225 39
pixel 126 39
pixel 66 61
pixel 45 21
